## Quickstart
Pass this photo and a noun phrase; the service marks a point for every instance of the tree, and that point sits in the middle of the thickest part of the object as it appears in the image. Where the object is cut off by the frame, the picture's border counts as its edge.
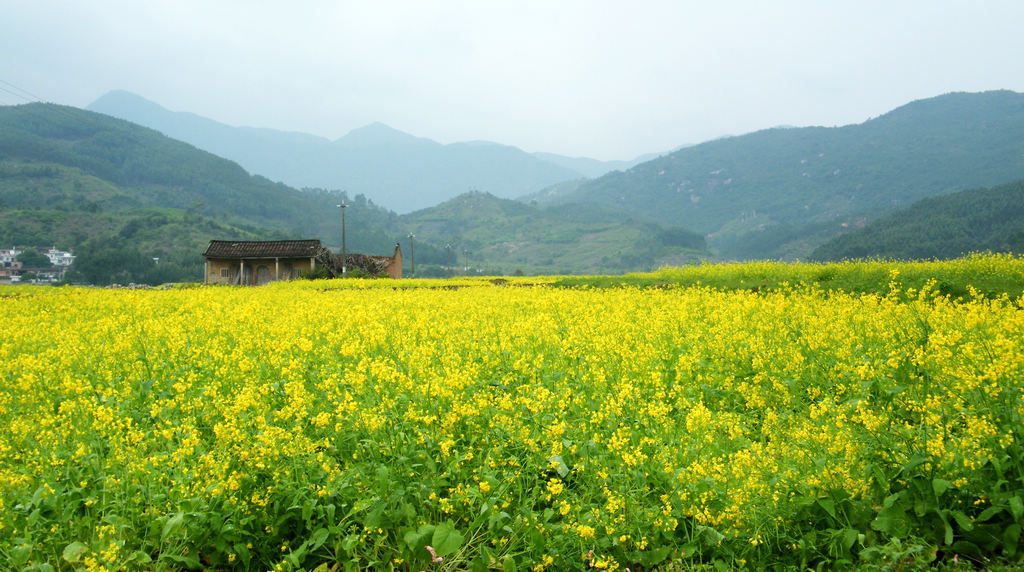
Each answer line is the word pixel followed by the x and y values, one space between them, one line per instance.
pixel 107 259
pixel 32 258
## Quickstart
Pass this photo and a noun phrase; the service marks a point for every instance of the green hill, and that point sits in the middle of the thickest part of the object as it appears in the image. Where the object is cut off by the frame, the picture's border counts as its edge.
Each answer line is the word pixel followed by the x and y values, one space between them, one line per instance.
pixel 502 236
pixel 950 226
pixel 120 196
pixel 779 193
pixel 94 184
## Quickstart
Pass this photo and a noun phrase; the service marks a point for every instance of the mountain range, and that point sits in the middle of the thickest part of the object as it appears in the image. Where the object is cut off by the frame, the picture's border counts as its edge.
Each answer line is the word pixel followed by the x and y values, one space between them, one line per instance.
pixel 95 184
pixel 394 169
pixel 779 193
pixel 117 193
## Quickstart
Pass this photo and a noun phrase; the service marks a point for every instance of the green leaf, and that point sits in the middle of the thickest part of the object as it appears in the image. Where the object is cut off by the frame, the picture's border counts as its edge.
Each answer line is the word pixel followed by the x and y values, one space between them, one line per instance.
pixel 483 560
pixel 989 513
pixel 559 465
pixel 349 543
pixel 243 552
pixel 407 511
pixel 446 539
pixel 508 565
pixel 892 520
pixel 654 557
pixel 829 506
pixel 185 561
pixel 376 517
pixel 479 564
pixel 1011 539
pixel 948 538
pixel 850 538
pixel 20 553
pixel 1016 507
pixel 940 486
pixel 318 538
pixel 913 463
pixel 710 536
pixel 962 520
pixel 880 479
pixel 363 504
pixel 172 525
pixel 140 556
pixel 417 539
pixel 966 548
pixel 73 552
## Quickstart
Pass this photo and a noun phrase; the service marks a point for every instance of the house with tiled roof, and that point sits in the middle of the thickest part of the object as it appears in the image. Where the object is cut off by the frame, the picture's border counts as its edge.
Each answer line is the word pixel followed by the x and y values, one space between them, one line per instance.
pixel 251 262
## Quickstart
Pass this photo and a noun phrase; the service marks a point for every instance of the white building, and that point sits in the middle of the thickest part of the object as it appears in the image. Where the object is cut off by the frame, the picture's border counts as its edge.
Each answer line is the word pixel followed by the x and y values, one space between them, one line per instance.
pixel 8 256
pixel 59 257
pixel 11 269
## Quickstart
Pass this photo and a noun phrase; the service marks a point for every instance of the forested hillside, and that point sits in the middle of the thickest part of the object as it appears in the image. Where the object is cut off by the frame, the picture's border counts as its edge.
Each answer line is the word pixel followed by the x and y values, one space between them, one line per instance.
pixel 506 236
pixel 137 206
pixel 944 227
pixel 779 193
pixel 120 195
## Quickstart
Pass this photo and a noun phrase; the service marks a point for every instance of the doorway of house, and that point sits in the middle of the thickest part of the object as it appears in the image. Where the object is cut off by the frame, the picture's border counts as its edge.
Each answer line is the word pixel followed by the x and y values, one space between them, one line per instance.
pixel 262 274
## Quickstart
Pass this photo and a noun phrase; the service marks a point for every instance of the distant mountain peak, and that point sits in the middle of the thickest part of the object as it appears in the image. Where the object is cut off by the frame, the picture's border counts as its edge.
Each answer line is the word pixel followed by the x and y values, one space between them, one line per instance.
pixel 378 127
pixel 125 102
pixel 377 133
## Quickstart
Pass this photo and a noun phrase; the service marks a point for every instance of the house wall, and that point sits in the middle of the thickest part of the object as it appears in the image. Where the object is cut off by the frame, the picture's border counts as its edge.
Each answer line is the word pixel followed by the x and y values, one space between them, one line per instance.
pixel 394 268
pixel 256 270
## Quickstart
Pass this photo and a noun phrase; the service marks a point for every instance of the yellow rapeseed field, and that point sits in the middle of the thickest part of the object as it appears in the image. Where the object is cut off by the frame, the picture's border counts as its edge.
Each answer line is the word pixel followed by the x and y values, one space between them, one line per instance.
pixel 504 425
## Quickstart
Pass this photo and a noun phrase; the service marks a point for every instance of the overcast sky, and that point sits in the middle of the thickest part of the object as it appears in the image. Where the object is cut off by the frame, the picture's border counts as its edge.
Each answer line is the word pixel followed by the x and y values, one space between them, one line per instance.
pixel 609 80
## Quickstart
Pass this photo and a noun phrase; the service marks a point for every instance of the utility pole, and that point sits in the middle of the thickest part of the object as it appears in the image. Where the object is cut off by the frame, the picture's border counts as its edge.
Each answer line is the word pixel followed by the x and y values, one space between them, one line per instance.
pixel 344 253
pixel 465 254
pixel 412 253
pixel 448 247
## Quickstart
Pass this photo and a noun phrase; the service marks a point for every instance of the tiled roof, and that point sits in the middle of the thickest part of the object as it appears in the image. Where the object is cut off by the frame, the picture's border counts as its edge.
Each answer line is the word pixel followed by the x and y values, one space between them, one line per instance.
pixel 262 249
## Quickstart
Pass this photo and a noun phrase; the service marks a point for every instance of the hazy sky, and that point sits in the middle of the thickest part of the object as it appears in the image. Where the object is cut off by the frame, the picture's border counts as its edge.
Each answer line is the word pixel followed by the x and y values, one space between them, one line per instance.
pixel 609 80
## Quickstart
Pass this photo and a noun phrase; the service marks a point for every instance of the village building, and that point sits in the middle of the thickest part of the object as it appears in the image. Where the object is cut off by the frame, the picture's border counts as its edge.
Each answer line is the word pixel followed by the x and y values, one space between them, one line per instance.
pixel 9 257
pixel 59 258
pixel 11 269
pixel 253 263
pixel 10 272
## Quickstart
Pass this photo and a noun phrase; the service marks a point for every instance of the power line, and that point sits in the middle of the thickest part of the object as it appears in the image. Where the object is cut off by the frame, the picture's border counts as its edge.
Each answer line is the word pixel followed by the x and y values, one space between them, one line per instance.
pixel 30 97
pixel 17 95
pixel 19 92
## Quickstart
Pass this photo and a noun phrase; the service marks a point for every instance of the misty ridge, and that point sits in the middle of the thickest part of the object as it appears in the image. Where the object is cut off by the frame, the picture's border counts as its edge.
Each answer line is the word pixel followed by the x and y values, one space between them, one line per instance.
pixel 163 183
pixel 398 170
pixel 775 193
